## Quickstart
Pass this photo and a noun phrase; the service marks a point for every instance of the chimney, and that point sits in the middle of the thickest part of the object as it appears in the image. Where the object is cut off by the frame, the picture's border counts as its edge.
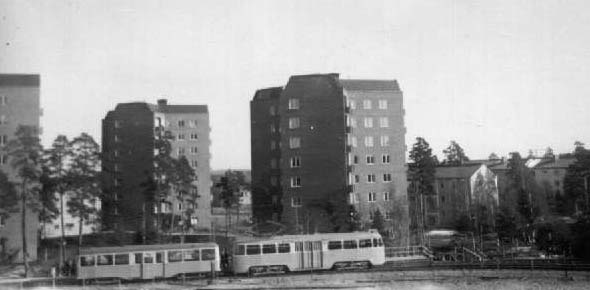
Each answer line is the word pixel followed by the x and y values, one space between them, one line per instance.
pixel 162 102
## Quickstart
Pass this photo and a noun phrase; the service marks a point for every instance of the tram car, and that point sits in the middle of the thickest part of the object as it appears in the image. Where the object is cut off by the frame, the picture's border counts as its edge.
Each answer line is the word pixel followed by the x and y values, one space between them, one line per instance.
pixel 283 254
pixel 147 261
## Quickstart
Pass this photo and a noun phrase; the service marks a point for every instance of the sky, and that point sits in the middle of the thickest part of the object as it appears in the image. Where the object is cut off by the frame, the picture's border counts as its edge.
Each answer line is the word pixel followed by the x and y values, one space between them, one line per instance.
pixel 496 76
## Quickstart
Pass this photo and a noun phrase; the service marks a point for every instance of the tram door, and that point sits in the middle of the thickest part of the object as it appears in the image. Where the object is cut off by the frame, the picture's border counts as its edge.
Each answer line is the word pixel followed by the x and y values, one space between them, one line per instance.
pixel 309 254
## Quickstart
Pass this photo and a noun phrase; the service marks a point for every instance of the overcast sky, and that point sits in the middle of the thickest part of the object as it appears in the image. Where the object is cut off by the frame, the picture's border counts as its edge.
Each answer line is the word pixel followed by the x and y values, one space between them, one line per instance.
pixel 496 76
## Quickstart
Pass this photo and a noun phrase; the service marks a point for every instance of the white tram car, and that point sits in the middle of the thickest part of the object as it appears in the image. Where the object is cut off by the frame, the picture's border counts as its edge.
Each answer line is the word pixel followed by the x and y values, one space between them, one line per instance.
pixel 308 252
pixel 147 261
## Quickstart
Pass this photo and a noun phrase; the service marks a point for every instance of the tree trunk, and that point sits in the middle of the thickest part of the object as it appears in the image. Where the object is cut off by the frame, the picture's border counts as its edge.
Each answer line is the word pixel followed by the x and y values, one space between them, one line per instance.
pixel 80 232
pixel 24 226
pixel 62 250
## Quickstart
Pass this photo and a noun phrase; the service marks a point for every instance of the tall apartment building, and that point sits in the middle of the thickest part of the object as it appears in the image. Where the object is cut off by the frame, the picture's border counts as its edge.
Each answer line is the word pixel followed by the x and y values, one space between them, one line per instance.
pixel 128 142
pixel 322 145
pixel 19 105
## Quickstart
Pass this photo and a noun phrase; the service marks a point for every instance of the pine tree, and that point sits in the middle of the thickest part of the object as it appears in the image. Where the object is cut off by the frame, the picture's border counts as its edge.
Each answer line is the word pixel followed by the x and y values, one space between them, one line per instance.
pixel 25 154
pixel 454 154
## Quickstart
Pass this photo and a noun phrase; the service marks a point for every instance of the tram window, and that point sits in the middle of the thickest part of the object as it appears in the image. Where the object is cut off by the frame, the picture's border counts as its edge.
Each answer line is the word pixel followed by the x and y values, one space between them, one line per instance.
pixel 208 254
pixel 174 256
pixel 284 248
pixel 377 243
pixel 253 250
pixel 148 258
pixel 334 245
pixel 350 244
pixel 269 249
pixel 190 255
pixel 87 261
pixel 159 257
pixel 104 260
pixel 240 250
pixel 365 243
pixel 138 258
pixel 299 247
pixel 122 259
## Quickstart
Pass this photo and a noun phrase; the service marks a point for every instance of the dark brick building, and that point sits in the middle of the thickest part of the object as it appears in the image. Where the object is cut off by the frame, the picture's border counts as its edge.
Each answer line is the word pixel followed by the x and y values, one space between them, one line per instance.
pixel 322 145
pixel 128 139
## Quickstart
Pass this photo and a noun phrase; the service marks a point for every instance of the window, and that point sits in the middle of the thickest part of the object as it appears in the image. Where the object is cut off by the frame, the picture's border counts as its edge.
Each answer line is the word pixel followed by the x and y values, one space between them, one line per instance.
pixel 117 139
pixel 269 249
pixel 273 145
pixel 294 123
pixel 179 206
pixel 352 198
pixel 371 178
pixel 368 122
pixel 387 177
pixel 87 261
pixel 174 256
pixel 117 124
pixel 334 245
pixel 370 159
pixel 377 242
pixel 3 120
pixel 103 260
pixel 3 159
pixel 357 179
pixel 122 259
pixel 293 104
pixel 388 215
pixel 383 104
pixel 355 159
pixel 190 255
pixel 181 151
pixel 367 104
pixel 3 100
pixel 384 140
pixel 352 104
pixel 372 196
pixel 194 136
pixel 353 141
pixel 181 123
pixel 273 163
pixel 253 250
pixel 272 110
pixel 350 121
pixel 295 162
pixel 180 137
pixel 138 258
pixel 273 128
pixel 194 150
pixel 207 254
pixel 365 243
pixel 296 181
pixel 296 201
pixel 386 196
pixel 385 158
pixel 384 122
pixel 194 163
pixel 3 140
pixel 294 142
pixel 284 248
pixel 352 244
pixel 369 141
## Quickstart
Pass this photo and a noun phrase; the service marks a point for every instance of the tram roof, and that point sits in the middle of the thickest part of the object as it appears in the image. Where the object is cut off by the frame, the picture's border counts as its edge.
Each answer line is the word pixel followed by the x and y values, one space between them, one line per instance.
pixel 143 248
pixel 322 236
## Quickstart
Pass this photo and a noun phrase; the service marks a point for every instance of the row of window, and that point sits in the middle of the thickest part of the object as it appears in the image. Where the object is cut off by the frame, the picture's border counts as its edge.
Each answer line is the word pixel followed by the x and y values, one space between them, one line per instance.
pixel 192 136
pixel 182 150
pixel 370 159
pixel 286 248
pixel 371 178
pixel 295 104
pixel 148 257
pixel 369 141
pixel 368 122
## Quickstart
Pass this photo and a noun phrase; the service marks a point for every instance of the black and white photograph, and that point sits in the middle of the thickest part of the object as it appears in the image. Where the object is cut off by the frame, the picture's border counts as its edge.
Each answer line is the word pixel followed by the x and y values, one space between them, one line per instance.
pixel 294 144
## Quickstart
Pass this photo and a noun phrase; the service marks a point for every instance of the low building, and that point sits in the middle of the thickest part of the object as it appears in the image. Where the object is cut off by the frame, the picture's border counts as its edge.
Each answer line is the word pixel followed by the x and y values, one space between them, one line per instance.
pixel 71 224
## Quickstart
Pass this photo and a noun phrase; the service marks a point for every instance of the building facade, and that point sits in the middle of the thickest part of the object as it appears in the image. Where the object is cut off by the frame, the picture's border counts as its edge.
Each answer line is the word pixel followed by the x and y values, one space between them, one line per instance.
pixel 19 105
pixel 322 146
pixel 52 229
pixel 129 135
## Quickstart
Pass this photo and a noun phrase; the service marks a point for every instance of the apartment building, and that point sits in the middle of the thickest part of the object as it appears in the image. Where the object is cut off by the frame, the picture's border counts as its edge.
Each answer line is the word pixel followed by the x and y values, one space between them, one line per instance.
pixel 323 146
pixel 129 135
pixel 19 105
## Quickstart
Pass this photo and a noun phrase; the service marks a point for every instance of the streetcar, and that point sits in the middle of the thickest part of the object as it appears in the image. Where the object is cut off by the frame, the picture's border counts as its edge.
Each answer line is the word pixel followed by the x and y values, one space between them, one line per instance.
pixel 288 253
pixel 147 261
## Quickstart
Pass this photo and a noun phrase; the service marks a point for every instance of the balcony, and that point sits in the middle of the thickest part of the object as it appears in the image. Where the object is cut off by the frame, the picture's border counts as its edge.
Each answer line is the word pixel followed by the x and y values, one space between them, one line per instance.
pixel 348 129
pixel 348 148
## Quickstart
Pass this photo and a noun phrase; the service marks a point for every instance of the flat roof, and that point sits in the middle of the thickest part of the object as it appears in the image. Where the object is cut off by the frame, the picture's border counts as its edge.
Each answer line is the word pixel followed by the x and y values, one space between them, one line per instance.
pixel 19 80
pixel 319 236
